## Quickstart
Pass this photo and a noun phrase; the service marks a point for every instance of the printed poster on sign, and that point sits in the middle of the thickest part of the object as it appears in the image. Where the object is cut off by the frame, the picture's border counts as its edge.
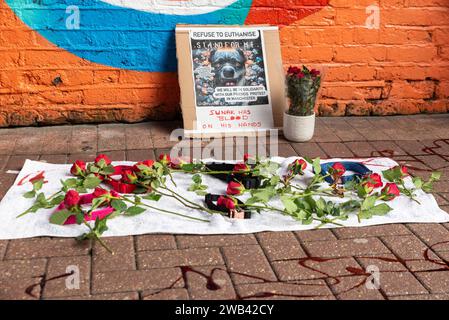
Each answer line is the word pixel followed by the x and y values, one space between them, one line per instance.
pixel 231 81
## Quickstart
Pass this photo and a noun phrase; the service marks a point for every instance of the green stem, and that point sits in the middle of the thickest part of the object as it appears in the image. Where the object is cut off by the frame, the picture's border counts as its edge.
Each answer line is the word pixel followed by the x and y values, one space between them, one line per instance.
pixel 178 196
pixel 164 211
pixel 97 238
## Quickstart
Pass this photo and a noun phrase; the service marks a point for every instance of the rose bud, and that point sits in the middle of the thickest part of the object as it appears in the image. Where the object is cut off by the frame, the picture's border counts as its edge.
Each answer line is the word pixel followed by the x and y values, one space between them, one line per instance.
pixel 146 163
pixel 314 73
pixel 241 167
pixel 390 192
pixel 103 157
pixel 297 167
pixel 247 158
pixel 129 176
pixel 404 171
pixel 338 169
pixel 164 158
pixel 72 198
pixel 227 202
pixel 100 192
pixel 78 168
pixel 375 180
pixel 235 188
pixel 293 70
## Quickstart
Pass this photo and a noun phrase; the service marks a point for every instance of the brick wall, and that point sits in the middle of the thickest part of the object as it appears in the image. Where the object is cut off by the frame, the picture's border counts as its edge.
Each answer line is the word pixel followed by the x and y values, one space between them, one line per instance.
pixel 400 66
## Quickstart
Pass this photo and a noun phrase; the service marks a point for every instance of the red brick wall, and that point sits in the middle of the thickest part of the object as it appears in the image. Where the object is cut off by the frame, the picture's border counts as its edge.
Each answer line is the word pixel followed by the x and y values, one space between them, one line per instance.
pixel 400 68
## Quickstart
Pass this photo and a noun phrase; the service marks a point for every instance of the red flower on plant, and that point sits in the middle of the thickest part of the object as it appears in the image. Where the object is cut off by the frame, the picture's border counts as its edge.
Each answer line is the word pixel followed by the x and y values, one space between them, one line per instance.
pixel 295 72
pixel 103 157
pixel 235 188
pixel 374 180
pixel 297 167
pixel 390 192
pixel 129 176
pixel 404 171
pixel 147 163
pixel 338 169
pixel 78 168
pixel 314 73
pixel 247 158
pixel 227 202
pixel 100 192
pixel 72 199
pixel 165 158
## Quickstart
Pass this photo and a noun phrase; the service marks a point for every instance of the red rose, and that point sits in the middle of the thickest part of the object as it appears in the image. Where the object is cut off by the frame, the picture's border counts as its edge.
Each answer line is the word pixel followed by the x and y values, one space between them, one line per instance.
pixel 404 171
pixel 227 202
pixel 147 163
pixel 390 192
pixel 103 157
pixel 78 168
pixel 100 192
pixel 164 158
pixel 241 167
pixel 247 158
pixel 338 169
pixel 129 176
pixel 297 167
pixel 72 198
pixel 293 70
pixel 375 180
pixel 314 73
pixel 235 188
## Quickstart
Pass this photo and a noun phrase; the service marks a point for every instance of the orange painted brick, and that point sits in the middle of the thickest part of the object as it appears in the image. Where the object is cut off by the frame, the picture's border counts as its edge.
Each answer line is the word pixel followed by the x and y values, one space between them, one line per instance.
pixel 411 53
pixel 359 53
pixel 412 89
pixel 298 55
pixel 442 91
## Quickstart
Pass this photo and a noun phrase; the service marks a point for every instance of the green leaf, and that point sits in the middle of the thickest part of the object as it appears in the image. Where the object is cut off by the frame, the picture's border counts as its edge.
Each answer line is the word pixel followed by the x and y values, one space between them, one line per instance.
pixel 436 176
pixel 289 204
pixel 153 197
pixel 368 203
pixel 317 166
pixel 57 200
pixel 30 194
pixel 37 185
pixel 119 205
pixel 60 217
pixel 393 175
pixel 91 182
pixel 418 182
pixel 41 199
pixel 134 211
pixel 155 184
pixel 380 210
pixel 197 179
pixel 309 160
pixel 107 170
pixel 94 169
pixel 264 195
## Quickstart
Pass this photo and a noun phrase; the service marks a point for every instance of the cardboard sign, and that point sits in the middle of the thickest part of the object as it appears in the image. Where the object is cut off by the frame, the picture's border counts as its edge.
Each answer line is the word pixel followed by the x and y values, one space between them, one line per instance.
pixel 231 79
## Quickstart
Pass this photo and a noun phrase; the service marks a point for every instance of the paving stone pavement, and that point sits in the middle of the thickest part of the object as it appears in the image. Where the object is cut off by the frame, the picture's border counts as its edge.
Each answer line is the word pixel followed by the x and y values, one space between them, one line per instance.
pixel 319 264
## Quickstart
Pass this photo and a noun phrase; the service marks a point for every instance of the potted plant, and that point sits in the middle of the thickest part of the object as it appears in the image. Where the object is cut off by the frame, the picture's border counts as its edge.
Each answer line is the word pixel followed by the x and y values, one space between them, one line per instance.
pixel 302 88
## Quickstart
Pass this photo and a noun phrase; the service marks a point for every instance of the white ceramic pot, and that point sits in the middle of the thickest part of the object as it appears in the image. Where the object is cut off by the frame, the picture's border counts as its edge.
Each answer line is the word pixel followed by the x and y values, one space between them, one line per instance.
pixel 299 128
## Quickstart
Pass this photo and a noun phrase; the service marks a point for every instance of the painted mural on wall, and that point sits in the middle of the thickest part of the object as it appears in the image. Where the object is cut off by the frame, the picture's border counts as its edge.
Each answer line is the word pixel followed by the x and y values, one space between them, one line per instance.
pixel 134 34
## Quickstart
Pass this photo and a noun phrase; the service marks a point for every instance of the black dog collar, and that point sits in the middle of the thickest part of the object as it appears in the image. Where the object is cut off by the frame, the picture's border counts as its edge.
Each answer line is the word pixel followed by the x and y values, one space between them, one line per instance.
pixel 211 200
pixel 248 181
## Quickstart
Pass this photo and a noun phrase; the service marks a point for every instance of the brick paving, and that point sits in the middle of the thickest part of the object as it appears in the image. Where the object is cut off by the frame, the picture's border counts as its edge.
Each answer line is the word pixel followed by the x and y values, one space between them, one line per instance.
pixel 318 264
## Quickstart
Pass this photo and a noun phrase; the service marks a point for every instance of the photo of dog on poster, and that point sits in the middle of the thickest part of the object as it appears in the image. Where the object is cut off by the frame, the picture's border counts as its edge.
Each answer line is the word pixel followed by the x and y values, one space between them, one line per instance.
pixel 229 72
